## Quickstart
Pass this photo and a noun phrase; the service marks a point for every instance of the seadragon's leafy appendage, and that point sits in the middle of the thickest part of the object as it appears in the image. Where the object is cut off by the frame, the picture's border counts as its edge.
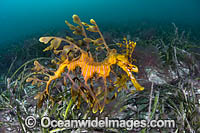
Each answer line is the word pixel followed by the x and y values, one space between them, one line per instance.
pixel 89 67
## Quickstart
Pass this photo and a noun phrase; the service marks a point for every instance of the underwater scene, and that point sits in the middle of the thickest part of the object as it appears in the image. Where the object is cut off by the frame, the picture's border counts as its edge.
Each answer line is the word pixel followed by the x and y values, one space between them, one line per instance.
pixel 114 66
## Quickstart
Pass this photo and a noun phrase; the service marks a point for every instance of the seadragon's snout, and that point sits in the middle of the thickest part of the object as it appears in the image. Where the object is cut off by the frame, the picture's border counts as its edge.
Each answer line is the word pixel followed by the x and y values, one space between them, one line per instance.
pixel 123 62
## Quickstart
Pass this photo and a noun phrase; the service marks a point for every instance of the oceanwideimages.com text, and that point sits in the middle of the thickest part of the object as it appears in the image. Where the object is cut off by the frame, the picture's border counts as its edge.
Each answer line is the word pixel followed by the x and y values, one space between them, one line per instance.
pixel 130 124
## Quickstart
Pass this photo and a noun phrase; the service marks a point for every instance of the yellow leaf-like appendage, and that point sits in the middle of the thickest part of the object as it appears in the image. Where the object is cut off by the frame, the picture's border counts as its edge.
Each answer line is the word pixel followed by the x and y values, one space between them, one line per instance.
pixel 91 28
pixel 87 40
pixel 38 67
pixel 45 40
pixel 76 19
pixel 97 42
pixel 92 21
pixel 71 27
pixel 55 42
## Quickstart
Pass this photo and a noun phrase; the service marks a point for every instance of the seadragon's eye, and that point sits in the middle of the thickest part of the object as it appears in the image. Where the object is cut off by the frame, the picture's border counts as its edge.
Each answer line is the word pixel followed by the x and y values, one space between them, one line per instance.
pixel 134 68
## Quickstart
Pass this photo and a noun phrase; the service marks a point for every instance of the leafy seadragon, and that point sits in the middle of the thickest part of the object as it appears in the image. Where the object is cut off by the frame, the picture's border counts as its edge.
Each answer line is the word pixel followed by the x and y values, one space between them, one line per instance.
pixel 89 67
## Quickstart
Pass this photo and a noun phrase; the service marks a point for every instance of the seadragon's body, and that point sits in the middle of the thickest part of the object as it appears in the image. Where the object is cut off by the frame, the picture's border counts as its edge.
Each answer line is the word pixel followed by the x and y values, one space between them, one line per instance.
pixel 89 67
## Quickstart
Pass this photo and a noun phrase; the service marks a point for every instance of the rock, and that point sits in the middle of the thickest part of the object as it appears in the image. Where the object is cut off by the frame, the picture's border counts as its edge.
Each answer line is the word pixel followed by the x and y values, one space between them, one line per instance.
pixel 154 76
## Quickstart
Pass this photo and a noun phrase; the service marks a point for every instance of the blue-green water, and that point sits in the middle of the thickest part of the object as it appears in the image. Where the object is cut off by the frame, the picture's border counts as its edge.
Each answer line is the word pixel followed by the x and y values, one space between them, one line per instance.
pixel 22 18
